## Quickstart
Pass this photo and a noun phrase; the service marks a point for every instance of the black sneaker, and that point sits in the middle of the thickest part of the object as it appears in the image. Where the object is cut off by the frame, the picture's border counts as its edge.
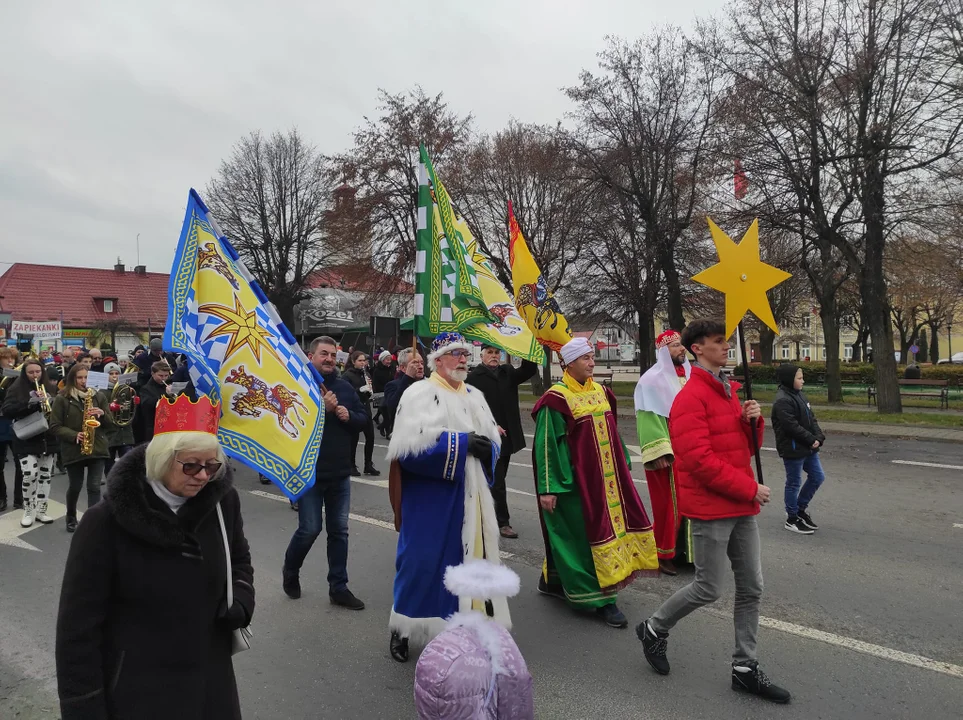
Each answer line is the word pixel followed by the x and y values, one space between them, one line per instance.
pixel 345 598
pixel 796 525
pixel 71 524
pixel 354 471
pixel 750 679
pixel 807 521
pixel 291 582
pixel 371 470
pixel 654 646
pixel 554 591
pixel 612 616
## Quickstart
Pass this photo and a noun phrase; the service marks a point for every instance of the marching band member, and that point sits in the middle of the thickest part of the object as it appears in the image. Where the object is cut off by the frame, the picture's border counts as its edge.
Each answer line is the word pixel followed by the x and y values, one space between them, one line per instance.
pixel 28 396
pixel 150 393
pixel 83 444
pixel 8 361
pixel 121 439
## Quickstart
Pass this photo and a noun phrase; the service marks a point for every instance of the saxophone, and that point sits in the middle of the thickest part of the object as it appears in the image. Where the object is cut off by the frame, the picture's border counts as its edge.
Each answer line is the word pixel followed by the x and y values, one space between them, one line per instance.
pixel 90 425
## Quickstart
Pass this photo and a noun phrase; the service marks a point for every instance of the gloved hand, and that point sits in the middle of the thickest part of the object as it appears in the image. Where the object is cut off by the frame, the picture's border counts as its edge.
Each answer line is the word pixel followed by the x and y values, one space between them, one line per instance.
pixel 235 616
pixel 479 446
pixel 34 399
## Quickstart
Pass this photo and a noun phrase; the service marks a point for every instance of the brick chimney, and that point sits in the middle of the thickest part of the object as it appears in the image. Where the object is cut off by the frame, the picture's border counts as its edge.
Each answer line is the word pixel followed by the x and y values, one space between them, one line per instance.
pixel 140 270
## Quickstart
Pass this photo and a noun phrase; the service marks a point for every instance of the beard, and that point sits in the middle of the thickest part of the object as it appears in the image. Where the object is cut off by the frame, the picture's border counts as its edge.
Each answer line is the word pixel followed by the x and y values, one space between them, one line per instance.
pixel 679 360
pixel 459 375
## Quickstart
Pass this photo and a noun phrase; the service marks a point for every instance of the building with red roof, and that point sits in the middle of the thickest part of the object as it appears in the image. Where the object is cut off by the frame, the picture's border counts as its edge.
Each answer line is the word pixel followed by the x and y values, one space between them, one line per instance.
pixel 92 304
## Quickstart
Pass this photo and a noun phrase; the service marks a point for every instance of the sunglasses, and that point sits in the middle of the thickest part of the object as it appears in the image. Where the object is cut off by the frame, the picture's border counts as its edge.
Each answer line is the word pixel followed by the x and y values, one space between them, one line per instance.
pixel 192 468
pixel 459 354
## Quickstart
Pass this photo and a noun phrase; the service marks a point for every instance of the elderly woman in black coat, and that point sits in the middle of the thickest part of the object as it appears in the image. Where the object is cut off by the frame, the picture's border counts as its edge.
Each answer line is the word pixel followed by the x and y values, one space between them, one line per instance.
pixel 144 630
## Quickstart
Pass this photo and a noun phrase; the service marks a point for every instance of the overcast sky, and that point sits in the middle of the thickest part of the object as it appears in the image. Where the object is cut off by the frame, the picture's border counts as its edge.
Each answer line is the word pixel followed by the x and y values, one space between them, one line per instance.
pixel 110 111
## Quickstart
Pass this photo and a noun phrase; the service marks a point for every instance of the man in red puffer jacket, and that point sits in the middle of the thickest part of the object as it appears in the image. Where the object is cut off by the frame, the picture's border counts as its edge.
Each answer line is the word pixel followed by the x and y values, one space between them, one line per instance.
pixel 711 433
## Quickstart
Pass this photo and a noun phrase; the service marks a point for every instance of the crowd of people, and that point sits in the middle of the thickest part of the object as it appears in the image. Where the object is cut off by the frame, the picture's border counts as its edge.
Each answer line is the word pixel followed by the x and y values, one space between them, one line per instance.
pixel 168 532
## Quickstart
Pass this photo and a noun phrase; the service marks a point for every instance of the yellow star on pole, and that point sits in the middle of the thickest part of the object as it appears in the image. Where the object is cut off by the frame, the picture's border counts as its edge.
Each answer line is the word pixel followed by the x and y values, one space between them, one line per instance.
pixel 241 326
pixel 742 277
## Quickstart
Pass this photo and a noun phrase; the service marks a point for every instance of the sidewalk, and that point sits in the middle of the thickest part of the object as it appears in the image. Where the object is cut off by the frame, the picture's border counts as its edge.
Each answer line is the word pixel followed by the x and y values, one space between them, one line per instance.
pixel 915 432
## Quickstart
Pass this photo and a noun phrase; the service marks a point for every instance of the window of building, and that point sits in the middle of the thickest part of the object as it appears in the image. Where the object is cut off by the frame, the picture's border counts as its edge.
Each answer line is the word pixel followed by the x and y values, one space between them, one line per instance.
pixel 108 306
pixel 848 352
pixel 807 321
pixel 823 353
pixel 785 352
pixel 732 354
pixel 805 353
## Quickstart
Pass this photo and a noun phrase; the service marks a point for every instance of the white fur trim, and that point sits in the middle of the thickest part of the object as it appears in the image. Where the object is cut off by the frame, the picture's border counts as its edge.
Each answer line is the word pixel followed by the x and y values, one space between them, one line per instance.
pixel 482 579
pixel 433 356
pixel 418 630
pixel 486 633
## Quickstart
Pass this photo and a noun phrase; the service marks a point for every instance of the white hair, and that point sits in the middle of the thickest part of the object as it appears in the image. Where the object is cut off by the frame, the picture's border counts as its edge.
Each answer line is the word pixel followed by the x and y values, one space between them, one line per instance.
pixel 163 449
pixel 404 357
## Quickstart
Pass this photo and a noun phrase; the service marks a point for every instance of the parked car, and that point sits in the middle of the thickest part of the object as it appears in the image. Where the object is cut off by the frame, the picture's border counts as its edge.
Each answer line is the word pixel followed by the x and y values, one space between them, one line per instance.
pixel 957 359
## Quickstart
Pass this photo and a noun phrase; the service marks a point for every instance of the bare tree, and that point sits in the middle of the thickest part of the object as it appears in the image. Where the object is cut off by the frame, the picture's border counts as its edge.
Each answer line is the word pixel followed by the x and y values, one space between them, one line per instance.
pixel 270 197
pixel 383 166
pixel 643 129
pixel 851 101
pixel 537 170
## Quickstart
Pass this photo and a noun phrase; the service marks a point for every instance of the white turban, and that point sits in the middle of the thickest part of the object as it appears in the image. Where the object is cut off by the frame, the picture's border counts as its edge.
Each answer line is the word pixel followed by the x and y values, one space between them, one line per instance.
pixel 574 349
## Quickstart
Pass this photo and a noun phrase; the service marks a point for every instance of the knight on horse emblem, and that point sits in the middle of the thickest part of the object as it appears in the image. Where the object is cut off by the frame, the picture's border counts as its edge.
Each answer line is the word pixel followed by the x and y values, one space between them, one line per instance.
pixel 260 398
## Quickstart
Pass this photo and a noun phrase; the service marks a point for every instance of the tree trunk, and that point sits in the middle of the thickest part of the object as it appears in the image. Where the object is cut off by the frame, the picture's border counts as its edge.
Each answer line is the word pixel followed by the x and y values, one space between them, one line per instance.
pixel 766 338
pixel 934 343
pixel 876 305
pixel 646 340
pixel 827 316
pixel 923 355
pixel 673 292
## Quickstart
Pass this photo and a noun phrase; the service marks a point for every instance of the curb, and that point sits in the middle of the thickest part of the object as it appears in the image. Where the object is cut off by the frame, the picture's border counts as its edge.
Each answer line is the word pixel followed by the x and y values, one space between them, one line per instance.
pixel 892 432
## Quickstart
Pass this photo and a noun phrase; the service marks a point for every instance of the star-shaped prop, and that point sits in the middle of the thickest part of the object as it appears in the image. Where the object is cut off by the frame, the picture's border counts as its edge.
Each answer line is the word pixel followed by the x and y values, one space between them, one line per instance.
pixel 241 327
pixel 742 277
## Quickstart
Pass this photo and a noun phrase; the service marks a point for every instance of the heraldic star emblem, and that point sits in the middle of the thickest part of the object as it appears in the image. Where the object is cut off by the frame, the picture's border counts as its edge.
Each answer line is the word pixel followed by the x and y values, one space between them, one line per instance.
pixel 242 329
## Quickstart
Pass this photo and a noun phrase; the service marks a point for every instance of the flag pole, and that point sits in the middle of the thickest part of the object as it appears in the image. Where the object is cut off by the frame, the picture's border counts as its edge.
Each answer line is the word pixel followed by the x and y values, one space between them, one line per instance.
pixel 752 423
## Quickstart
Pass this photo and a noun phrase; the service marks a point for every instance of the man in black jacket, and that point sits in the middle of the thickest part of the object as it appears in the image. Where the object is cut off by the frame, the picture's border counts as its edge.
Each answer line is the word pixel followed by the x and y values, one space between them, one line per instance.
pixel 798 439
pixel 412 367
pixel 331 491
pixel 499 384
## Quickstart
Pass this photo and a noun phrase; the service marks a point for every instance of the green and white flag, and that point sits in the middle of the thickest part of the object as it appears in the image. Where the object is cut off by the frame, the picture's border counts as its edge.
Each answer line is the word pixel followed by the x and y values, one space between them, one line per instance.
pixel 456 289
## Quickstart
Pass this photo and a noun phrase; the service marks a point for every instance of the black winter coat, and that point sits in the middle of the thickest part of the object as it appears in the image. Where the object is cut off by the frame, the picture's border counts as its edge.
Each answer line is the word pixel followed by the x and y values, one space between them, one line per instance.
pixel 382 374
pixel 794 424
pixel 500 388
pixel 16 405
pixel 395 389
pixel 335 459
pixel 142 631
pixel 150 394
pixel 357 380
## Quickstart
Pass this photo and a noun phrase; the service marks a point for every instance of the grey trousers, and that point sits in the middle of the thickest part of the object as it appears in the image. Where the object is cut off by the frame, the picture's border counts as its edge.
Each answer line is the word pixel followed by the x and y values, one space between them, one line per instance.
pixel 712 541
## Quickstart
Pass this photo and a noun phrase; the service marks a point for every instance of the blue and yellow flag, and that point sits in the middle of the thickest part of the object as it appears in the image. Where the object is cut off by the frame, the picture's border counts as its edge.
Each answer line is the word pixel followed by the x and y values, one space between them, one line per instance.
pixel 241 354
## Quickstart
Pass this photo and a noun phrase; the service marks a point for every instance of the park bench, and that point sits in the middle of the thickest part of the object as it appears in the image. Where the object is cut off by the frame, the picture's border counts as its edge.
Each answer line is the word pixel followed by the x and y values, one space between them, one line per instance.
pixel 915 388
pixel 602 376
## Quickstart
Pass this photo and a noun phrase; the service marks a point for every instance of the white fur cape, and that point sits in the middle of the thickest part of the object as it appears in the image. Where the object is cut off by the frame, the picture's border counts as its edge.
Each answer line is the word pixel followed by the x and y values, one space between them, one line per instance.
pixel 426 410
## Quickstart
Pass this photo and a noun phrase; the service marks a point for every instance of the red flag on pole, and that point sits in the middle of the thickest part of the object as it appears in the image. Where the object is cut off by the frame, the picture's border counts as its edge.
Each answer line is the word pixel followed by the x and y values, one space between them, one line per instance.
pixel 741 183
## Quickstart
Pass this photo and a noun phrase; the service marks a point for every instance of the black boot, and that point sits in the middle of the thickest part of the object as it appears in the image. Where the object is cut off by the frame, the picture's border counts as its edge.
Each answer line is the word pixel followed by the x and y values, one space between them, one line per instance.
pixel 291 583
pixel 3 504
pixel 748 678
pixel 398 647
pixel 370 469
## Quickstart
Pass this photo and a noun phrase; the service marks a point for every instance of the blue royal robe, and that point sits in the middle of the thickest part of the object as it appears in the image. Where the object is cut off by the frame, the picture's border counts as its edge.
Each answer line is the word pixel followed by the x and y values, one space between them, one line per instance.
pixel 447 513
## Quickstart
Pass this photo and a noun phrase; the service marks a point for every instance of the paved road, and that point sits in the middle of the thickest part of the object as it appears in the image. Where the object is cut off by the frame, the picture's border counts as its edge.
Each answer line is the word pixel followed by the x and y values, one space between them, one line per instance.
pixel 862 620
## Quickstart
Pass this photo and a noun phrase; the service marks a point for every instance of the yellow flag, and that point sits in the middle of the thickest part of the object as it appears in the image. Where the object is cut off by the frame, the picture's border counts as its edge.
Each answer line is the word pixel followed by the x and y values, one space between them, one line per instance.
pixel 533 300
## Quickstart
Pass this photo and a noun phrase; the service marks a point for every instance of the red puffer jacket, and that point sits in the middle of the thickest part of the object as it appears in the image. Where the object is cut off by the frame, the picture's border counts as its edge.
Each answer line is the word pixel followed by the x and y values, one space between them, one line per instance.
pixel 711 442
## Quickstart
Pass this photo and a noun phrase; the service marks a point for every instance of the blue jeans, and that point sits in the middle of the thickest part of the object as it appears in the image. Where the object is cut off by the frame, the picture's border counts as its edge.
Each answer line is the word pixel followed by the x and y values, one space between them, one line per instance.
pixel 334 498
pixel 797 499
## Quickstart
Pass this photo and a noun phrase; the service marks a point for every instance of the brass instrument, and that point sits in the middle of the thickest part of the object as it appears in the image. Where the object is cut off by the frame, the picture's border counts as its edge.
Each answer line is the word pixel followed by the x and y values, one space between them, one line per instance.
pixel 45 405
pixel 123 403
pixel 90 424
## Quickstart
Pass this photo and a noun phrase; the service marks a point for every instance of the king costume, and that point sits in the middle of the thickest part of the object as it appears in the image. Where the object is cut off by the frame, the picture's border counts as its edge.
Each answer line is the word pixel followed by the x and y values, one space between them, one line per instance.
pixel 654 395
pixel 441 497
pixel 598 539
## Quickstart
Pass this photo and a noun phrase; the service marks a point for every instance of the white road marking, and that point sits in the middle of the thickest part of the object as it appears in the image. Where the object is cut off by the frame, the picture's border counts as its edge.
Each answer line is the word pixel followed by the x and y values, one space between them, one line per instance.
pixel 353 516
pixel 878 651
pixel 10 529
pixel 519 492
pixel 958 525
pixel 928 464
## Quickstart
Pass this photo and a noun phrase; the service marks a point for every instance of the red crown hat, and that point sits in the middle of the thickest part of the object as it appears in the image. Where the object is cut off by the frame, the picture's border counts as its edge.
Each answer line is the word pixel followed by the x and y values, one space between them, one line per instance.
pixel 666 338
pixel 182 415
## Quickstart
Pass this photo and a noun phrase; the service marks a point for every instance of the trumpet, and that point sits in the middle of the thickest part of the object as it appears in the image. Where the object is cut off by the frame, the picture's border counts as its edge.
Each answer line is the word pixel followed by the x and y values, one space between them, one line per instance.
pixel 45 406
pixel 90 424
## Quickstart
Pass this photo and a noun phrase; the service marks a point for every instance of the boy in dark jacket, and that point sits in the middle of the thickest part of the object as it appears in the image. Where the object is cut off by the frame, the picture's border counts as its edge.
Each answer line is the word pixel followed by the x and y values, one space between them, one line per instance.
pixel 798 439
